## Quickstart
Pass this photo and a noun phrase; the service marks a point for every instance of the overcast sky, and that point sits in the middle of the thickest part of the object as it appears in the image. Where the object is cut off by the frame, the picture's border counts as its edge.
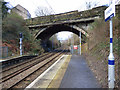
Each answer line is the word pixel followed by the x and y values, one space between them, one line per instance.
pixel 58 6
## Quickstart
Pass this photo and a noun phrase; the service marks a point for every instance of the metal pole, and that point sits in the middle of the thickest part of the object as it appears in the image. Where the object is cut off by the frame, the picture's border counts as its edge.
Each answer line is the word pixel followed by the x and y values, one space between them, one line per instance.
pixel 52 43
pixel 73 45
pixel 111 62
pixel 20 43
pixel 80 42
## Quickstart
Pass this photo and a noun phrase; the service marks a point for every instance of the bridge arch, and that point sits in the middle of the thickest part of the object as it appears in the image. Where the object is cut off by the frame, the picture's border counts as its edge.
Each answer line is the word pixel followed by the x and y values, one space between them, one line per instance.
pixel 47 32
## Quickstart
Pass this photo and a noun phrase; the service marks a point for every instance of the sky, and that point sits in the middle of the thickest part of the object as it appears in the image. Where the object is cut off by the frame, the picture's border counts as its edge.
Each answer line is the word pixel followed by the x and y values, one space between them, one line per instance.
pixel 58 6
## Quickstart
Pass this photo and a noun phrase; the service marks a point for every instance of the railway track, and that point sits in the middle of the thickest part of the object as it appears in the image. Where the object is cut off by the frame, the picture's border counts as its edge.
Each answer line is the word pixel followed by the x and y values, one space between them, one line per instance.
pixel 17 73
pixel 10 72
pixel 21 63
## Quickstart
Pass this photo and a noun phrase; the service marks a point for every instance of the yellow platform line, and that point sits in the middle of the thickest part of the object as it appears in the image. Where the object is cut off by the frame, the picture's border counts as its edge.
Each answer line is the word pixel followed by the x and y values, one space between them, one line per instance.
pixel 55 83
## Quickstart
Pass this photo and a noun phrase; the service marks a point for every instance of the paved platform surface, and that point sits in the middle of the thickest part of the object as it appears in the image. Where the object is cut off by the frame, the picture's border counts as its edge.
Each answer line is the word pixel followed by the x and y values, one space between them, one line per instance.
pixel 78 75
pixel 44 80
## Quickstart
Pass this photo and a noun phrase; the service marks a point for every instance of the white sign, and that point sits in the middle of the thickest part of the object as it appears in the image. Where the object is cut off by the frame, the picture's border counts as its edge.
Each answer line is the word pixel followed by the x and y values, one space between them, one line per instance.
pixel 116 2
pixel 110 12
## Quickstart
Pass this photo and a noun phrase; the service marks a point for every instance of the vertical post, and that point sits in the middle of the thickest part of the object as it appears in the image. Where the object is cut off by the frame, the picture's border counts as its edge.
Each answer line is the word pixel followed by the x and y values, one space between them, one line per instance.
pixel 20 44
pixel 111 62
pixel 71 47
pixel 80 41
pixel 52 43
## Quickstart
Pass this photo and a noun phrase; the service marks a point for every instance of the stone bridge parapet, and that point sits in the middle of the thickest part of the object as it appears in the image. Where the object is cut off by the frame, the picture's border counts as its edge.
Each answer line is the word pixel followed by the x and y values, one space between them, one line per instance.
pixel 74 15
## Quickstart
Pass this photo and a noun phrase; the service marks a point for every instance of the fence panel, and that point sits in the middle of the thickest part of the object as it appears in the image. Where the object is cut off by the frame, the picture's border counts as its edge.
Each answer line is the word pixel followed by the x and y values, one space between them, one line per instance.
pixel 3 52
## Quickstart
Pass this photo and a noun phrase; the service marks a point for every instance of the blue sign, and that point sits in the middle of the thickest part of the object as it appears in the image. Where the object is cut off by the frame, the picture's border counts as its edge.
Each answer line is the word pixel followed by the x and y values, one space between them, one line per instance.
pixel 112 15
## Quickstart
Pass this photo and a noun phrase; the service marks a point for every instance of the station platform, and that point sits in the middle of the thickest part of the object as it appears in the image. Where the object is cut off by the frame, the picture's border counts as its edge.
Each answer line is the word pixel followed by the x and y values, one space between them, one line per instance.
pixel 78 75
pixel 68 72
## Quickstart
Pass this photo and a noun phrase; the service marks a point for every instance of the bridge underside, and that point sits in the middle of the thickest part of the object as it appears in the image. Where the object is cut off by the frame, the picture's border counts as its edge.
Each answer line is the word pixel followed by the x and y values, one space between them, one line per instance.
pixel 49 31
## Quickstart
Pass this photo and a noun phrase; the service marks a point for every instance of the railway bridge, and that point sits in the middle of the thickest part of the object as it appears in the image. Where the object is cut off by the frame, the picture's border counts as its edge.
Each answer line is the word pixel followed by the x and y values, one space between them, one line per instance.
pixel 45 26
pixel 55 70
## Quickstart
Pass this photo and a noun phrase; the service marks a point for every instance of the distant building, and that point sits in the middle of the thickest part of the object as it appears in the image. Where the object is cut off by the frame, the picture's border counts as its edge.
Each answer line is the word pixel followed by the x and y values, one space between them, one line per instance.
pixel 21 11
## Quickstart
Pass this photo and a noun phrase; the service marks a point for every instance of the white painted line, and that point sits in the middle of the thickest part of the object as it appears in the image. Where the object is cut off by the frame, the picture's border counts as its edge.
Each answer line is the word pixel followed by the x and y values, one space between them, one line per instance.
pixel 36 80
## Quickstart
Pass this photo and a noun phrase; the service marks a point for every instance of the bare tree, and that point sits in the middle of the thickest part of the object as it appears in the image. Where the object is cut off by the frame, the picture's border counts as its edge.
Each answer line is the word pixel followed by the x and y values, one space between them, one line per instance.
pixel 91 4
pixel 88 5
pixel 43 11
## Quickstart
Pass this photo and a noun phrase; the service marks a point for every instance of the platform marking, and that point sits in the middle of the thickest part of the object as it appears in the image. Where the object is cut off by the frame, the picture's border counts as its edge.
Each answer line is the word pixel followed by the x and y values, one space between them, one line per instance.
pixel 43 74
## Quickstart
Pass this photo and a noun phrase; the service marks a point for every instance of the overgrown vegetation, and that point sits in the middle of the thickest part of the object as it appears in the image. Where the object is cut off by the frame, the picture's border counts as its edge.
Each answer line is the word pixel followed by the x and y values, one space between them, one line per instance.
pixel 75 40
pixel 98 53
pixel 4 8
pixel 52 43
pixel 67 16
pixel 14 24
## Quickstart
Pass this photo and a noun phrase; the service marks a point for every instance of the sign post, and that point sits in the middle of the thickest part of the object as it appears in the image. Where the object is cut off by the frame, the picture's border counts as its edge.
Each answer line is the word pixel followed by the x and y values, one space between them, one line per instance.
pixel 80 42
pixel 109 13
pixel 20 43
